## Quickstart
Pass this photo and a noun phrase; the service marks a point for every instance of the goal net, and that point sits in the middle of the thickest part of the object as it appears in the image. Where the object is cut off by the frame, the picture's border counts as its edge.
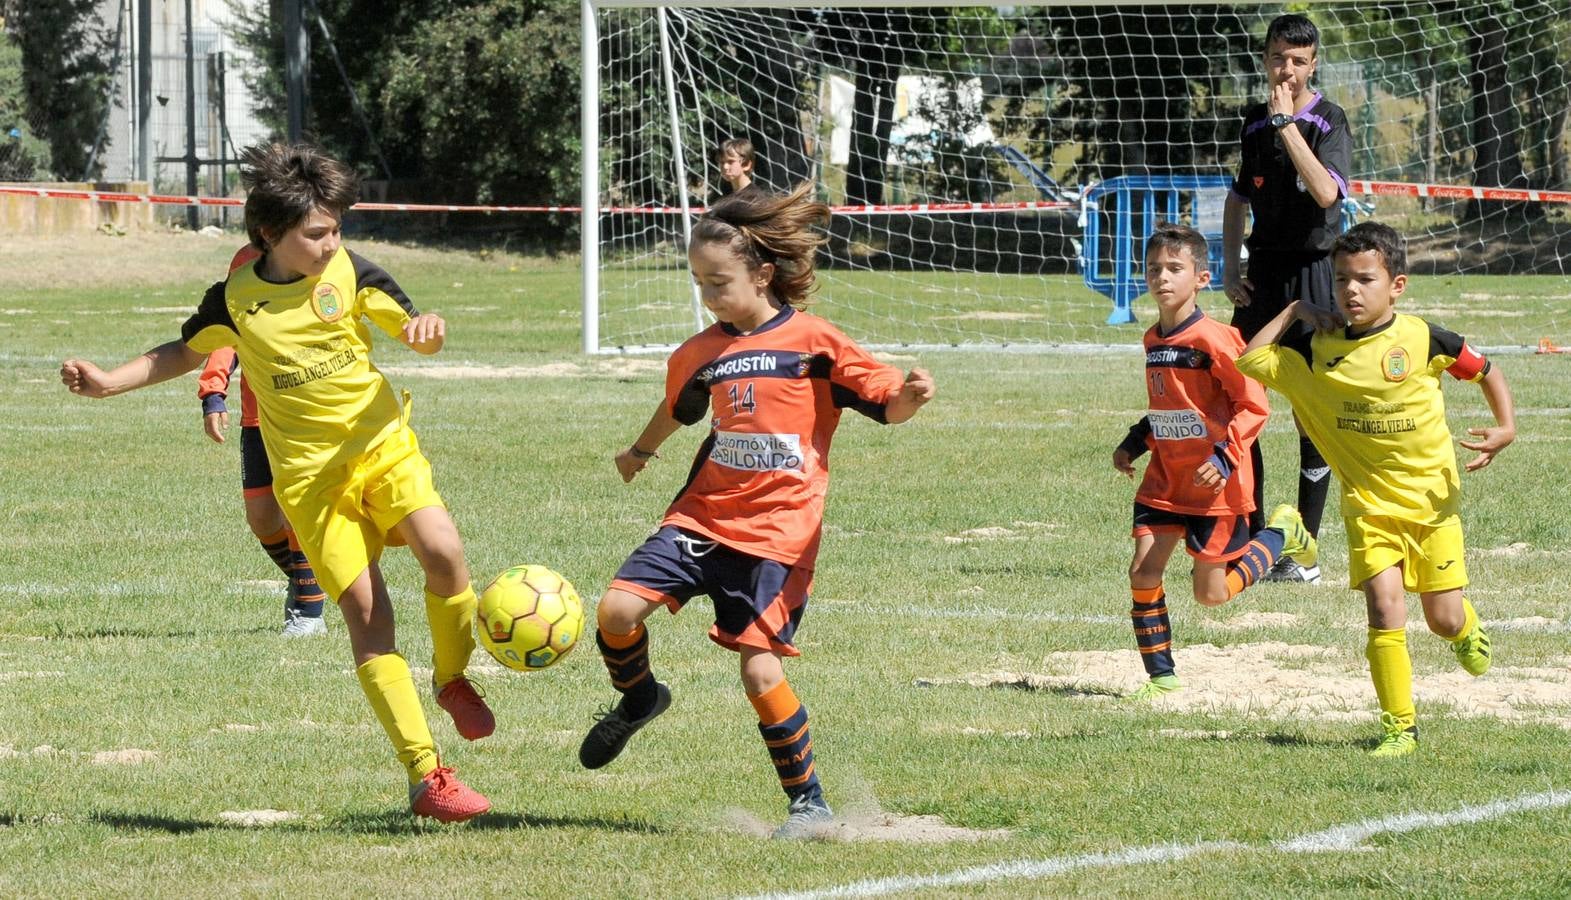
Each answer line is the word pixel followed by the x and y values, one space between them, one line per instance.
pixel 995 168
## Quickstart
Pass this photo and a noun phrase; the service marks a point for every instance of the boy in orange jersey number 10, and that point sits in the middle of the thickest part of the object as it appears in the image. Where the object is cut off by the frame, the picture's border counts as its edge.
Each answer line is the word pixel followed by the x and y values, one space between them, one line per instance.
pixel 348 470
pixel 745 529
pixel 1199 487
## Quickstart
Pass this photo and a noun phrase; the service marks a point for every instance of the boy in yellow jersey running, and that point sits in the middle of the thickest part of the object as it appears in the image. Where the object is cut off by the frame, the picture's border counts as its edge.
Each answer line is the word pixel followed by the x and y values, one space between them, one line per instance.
pixel 348 470
pixel 1369 396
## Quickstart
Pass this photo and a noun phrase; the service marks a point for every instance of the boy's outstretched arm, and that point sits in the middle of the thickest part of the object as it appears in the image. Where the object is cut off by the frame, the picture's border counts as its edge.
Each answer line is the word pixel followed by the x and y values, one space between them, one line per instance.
pixel 919 388
pixel 161 363
pixel 1498 395
pixel 425 333
pixel 632 460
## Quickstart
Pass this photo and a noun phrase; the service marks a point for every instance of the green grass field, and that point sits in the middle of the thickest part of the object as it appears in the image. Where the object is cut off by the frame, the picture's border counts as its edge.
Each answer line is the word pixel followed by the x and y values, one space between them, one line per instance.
pixel 962 653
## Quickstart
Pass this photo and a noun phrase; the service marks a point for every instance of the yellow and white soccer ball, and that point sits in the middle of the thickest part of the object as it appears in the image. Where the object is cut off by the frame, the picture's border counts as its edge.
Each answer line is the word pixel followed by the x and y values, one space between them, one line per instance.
pixel 529 617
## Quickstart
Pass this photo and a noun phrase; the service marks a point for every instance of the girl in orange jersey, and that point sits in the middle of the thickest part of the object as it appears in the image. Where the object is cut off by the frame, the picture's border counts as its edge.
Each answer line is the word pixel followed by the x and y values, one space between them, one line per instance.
pixel 745 529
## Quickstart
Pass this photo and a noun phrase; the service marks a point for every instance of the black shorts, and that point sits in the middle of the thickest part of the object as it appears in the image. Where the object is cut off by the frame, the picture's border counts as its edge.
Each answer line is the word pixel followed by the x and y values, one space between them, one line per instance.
pixel 1207 538
pixel 256 475
pixel 758 602
pixel 1278 280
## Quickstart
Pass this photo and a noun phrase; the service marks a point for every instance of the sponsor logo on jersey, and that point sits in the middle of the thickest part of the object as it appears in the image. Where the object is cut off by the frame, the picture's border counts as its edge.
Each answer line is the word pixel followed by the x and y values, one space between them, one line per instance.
pixel 1395 364
pixel 1176 424
pixel 1333 363
pixel 758 452
pixel 756 363
pixel 1163 356
pixel 325 301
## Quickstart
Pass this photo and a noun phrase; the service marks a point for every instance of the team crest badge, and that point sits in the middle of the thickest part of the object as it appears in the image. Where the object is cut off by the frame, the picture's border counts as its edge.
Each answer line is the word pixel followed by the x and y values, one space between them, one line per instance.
pixel 328 305
pixel 1260 181
pixel 1394 366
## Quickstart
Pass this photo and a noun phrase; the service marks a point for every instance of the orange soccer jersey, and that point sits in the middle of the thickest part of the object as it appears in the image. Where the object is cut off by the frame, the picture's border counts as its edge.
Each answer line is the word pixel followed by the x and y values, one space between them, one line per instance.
pixel 1201 407
pixel 759 481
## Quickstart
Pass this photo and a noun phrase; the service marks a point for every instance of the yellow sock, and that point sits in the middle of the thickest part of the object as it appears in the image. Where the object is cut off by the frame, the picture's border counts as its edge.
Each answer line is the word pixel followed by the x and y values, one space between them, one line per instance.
pixel 391 690
pixel 1469 622
pixel 452 622
pixel 1392 671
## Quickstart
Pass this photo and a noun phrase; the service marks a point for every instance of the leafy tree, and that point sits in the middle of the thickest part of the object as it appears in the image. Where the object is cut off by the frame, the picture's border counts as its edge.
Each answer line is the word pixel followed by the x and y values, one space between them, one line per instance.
pixel 23 157
pixel 65 66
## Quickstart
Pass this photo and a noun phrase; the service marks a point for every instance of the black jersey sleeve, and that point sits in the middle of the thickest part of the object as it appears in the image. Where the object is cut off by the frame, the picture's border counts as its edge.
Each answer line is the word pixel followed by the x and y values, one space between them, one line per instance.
pixel 211 326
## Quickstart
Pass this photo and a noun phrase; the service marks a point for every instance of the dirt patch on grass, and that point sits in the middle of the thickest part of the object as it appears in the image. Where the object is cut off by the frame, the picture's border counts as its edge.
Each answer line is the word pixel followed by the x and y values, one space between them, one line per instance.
pixel 1290 681
pixel 255 818
pixel 127 757
pixel 1014 531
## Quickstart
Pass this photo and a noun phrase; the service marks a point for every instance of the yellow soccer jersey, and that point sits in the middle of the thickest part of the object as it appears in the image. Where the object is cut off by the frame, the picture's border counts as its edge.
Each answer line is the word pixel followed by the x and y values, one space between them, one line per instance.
pixel 1372 404
pixel 306 351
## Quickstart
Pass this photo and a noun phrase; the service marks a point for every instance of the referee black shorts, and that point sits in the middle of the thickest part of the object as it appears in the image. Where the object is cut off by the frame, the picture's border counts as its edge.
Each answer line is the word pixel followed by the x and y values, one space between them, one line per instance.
pixel 1278 281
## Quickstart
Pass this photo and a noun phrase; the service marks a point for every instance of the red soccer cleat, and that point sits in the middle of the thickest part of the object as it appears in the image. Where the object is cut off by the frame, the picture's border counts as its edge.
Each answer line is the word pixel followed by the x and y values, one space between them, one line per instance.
pixel 466 705
pixel 441 796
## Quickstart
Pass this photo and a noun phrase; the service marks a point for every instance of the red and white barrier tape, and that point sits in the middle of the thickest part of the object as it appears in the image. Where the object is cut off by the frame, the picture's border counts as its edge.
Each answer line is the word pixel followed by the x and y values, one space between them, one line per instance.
pixel 175 200
pixel 1377 188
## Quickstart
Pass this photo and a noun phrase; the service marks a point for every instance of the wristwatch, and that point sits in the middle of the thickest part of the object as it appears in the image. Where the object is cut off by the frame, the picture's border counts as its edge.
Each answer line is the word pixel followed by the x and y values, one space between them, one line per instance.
pixel 1280 120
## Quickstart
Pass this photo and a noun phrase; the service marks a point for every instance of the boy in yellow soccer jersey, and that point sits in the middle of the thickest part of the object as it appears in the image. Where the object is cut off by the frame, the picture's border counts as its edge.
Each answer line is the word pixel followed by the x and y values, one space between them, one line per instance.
pixel 347 469
pixel 1369 396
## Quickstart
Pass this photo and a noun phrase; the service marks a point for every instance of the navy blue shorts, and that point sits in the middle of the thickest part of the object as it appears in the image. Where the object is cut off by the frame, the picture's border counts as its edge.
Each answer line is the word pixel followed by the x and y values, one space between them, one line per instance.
pixel 1206 538
pixel 758 602
pixel 256 475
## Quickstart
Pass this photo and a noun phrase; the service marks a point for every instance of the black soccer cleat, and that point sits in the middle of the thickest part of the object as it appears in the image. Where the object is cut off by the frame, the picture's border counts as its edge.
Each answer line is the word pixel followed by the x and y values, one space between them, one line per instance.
pixel 612 728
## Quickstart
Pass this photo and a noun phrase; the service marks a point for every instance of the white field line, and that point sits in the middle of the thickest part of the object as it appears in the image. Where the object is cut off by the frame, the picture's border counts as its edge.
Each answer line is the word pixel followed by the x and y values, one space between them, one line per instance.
pixel 1341 837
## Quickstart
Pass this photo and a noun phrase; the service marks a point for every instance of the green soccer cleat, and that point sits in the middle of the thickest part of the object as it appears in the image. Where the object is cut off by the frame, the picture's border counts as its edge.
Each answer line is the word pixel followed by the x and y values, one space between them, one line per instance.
pixel 1297 542
pixel 1399 740
pixel 1473 651
pixel 1156 687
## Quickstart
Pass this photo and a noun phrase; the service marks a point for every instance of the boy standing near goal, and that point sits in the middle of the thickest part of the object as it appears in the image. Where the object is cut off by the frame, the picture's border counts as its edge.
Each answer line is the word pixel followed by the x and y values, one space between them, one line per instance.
pixel 1203 418
pixel 348 470
pixel 1292 175
pixel 1370 395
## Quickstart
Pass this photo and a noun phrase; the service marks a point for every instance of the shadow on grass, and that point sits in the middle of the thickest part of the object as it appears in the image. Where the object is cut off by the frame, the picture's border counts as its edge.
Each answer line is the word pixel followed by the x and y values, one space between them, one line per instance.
pixel 404 823
pixel 1062 690
pixel 360 823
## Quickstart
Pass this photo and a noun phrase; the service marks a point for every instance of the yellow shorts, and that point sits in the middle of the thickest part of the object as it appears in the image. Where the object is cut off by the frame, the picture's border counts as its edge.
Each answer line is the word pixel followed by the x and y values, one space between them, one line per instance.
pixel 1430 555
pixel 343 517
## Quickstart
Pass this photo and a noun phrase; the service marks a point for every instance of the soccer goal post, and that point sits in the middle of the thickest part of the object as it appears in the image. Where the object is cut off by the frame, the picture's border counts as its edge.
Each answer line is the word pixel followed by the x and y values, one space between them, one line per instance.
pixel 993 166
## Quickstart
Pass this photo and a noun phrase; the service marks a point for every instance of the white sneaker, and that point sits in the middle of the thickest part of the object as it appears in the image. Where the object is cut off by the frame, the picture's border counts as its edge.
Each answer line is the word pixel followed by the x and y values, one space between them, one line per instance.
pixel 303 626
pixel 1287 569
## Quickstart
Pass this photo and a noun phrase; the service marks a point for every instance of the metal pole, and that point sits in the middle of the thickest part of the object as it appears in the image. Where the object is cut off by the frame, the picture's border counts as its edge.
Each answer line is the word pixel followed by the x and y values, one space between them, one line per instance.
pixel 223 143
pixel 297 49
pixel 191 212
pixel 144 92
pixel 679 164
pixel 589 184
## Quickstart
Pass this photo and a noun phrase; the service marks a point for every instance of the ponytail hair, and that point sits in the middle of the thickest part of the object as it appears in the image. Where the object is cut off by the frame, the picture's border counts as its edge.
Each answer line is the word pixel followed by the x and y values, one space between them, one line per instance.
pixel 762 227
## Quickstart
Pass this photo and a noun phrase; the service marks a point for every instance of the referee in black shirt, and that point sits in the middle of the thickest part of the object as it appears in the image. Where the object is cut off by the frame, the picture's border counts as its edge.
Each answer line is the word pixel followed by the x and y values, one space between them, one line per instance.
pixel 1292 177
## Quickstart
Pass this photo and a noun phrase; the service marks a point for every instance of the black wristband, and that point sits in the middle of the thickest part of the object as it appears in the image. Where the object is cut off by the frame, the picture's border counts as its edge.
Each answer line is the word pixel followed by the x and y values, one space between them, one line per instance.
pixel 641 454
